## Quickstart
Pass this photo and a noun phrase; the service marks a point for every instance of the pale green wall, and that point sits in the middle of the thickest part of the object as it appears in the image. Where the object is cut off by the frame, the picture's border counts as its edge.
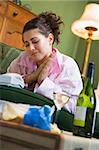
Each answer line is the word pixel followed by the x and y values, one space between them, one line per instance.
pixel 94 56
pixel 69 11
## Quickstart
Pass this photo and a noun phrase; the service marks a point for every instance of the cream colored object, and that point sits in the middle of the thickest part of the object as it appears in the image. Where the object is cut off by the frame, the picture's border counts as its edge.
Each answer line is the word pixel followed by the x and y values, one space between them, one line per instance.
pixel 12 111
pixel 90 18
pixel 55 129
pixel 60 99
pixel 71 142
pixel 2 104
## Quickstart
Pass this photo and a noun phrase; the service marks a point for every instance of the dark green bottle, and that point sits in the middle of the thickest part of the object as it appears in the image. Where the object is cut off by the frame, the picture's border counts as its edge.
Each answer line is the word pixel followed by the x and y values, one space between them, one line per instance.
pixel 84 117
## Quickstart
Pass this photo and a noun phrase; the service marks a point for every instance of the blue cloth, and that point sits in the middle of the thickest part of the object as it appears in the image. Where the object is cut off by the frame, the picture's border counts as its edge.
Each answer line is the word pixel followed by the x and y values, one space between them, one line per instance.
pixel 39 116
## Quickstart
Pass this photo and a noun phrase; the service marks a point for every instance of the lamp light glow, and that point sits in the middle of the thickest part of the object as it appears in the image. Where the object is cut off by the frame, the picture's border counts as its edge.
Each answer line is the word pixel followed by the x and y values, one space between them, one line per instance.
pixel 87 27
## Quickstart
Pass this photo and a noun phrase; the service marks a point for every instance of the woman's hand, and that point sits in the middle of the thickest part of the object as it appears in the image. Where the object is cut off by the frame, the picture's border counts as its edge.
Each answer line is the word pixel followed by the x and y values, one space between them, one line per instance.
pixel 33 77
pixel 45 69
pixel 41 73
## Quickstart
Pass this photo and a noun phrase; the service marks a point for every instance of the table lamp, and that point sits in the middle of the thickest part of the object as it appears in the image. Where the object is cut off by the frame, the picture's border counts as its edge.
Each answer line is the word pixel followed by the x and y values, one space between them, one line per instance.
pixel 87 27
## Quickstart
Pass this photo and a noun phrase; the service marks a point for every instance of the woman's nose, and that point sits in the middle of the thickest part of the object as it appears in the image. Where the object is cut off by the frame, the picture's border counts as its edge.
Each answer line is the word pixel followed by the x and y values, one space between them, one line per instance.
pixel 31 47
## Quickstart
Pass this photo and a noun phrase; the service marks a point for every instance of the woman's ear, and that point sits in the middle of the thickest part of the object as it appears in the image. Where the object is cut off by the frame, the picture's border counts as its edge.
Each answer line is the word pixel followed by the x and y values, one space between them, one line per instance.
pixel 51 38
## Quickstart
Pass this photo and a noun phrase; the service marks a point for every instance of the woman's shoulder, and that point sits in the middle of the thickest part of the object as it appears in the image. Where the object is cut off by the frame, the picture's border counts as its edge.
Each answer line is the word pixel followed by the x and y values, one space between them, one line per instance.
pixel 64 58
pixel 22 59
pixel 19 61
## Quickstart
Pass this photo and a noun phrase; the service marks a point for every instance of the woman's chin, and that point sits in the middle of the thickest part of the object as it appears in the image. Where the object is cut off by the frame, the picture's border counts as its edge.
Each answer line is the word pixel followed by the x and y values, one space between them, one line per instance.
pixel 35 58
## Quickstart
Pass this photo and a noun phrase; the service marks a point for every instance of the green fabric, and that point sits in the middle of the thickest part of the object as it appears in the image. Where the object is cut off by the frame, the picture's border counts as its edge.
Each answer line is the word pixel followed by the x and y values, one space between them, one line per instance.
pixel 17 95
pixel 11 55
pixel 7 55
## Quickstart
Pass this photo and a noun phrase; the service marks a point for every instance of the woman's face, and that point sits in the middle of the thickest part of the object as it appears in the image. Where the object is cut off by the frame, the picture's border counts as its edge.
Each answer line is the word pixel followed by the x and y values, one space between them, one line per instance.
pixel 37 45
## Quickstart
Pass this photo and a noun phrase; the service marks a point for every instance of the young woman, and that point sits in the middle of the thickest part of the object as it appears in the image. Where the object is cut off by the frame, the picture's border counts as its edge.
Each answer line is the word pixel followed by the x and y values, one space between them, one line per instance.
pixel 42 66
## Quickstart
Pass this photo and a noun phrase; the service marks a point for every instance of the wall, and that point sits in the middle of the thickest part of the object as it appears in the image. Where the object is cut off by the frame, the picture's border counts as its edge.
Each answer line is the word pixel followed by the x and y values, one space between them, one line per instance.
pixel 94 56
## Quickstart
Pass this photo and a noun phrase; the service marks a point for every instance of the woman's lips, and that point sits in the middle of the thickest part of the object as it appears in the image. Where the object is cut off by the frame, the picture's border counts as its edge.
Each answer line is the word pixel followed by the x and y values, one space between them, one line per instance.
pixel 34 53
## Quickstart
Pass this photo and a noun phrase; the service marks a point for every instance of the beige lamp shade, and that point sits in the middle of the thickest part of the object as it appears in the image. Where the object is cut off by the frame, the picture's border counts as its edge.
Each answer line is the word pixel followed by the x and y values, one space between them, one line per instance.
pixel 88 21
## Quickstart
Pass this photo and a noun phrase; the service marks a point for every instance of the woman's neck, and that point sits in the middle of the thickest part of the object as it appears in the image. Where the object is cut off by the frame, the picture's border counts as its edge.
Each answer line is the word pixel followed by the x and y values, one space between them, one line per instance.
pixel 41 61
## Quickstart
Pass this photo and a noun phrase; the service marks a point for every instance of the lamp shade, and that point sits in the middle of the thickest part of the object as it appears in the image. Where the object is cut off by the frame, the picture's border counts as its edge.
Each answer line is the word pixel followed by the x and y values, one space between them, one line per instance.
pixel 88 21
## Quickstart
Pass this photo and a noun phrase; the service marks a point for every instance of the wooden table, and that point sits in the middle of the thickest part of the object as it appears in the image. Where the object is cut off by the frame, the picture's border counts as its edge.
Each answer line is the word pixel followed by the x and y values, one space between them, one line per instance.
pixel 15 136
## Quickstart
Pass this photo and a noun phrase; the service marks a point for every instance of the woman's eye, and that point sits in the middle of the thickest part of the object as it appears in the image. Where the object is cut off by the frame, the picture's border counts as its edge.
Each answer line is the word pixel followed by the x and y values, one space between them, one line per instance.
pixel 26 45
pixel 34 42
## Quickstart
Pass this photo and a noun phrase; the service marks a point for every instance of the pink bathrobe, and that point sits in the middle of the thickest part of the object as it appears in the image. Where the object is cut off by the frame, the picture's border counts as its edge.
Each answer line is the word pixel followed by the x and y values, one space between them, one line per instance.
pixel 64 77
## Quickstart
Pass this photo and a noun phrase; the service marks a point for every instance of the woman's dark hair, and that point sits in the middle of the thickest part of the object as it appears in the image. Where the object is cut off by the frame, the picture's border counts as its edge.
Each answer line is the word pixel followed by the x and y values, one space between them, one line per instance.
pixel 47 22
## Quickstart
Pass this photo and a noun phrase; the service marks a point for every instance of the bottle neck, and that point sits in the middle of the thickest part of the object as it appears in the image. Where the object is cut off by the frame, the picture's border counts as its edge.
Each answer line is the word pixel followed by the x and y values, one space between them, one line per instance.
pixel 90 73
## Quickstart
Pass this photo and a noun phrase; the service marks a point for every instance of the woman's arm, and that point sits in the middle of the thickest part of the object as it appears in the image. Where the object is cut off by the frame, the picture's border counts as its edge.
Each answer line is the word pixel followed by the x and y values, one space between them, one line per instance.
pixel 67 81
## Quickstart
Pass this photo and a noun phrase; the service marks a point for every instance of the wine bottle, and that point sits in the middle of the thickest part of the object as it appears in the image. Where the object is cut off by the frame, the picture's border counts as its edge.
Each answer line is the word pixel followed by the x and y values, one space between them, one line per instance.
pixel 85 114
